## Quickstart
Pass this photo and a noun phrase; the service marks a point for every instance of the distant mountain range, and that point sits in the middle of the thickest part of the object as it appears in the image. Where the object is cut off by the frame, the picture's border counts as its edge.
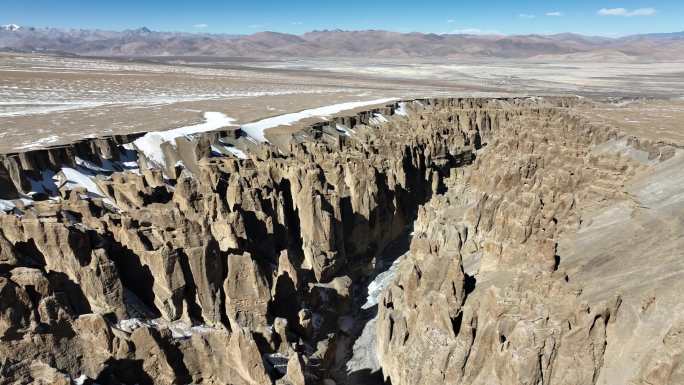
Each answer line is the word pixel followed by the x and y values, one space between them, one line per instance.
pixel 337 43
pixel 9 27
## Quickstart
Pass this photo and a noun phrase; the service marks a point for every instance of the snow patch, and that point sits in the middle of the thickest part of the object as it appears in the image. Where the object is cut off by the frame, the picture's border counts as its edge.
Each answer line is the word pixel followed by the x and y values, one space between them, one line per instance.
pixel 39 143
pixel 380 283
pixel 10 27
pixel 43 108
pixel 237 152
pixel 80 380
pixel 150 144
pixel 91 166
pixel 178 329
pixel 74 179
pixel 401 111
pixel 127 162
pixel 6 205
pixel 378 119
pixel 364 355
pixel 343 129
pixel 256 130
pixel 129 325
pixel 81 176
pixel 222 149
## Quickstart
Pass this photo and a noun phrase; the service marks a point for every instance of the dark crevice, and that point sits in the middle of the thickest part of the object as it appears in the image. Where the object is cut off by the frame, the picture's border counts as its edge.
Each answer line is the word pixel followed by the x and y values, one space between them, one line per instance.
pixel 71 291
pixel 159 194
pixel 286 300
pixel 34 297
pixel 175 358
pixel 456 324
pixel 469 283
pixel 194 309
pixel 29 253
pixel 124 371
pixel 134 275
pixel 391 328
pixel 367 377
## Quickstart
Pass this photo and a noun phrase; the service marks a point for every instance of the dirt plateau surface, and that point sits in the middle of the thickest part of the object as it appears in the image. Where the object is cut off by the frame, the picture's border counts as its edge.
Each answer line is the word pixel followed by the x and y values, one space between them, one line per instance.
pixel 429 241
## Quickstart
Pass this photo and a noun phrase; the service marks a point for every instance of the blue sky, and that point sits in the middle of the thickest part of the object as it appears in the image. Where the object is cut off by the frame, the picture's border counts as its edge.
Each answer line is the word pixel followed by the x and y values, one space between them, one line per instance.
pixel 608 18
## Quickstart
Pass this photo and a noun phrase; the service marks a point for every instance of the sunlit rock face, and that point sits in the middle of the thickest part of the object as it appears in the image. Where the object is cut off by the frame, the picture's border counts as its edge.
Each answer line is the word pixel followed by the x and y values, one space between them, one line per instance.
pixel 217 258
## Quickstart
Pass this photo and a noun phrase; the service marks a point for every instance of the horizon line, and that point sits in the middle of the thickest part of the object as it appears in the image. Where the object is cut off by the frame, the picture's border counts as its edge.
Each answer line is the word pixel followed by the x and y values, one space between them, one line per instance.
pixel 446 33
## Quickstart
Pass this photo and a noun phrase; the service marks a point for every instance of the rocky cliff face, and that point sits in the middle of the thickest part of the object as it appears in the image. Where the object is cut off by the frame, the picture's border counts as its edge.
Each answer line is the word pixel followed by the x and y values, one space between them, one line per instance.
pixel 208 268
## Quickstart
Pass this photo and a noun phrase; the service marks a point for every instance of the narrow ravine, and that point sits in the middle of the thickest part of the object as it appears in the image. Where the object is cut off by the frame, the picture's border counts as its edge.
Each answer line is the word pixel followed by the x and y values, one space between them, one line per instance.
pixel 403 244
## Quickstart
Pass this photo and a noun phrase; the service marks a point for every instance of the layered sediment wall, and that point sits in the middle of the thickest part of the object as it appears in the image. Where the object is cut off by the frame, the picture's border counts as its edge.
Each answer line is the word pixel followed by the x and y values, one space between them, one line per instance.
pixel 210 267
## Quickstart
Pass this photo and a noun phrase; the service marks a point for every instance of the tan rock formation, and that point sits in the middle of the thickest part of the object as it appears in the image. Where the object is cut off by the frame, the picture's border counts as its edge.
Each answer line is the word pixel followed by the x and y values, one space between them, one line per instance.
pixel 211 269
pixel 247 293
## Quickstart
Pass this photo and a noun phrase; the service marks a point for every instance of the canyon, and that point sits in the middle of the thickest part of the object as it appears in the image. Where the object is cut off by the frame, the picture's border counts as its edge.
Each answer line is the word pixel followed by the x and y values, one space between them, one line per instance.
pixel 440 240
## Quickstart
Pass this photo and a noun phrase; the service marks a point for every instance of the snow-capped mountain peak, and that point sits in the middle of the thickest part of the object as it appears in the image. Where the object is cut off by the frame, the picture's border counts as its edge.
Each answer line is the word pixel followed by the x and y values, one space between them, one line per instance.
pixel 10 27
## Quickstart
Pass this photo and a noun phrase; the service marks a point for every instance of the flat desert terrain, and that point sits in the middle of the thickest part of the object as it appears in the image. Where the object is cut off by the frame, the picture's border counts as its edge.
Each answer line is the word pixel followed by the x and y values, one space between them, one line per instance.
pixel 49 100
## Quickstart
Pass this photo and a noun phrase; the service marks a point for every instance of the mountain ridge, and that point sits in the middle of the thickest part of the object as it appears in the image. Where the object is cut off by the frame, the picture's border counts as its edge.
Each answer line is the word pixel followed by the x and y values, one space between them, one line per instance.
pixel 331 43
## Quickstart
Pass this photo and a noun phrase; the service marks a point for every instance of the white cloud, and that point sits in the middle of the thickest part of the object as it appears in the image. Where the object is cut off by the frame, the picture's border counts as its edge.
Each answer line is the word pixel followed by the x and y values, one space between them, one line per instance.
pixel 201 25
pixel 474 31
pixel 527 16
pixel 296 23
pixel 627 12
pixel 450 21
pixel 554 13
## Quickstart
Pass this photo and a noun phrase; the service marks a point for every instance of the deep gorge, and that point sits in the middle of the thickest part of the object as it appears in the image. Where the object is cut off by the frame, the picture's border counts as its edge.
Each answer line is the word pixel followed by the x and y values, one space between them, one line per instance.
pixel 211 269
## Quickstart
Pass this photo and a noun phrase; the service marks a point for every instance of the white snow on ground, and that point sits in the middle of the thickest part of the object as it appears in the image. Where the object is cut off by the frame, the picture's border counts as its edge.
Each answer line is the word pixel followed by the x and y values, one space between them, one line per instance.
pixel 129 325
pixel 25 108
pixel 39 143
pixel 178 329
pixel 150 143
pixel 75 178
pixel 82 175
pixel 380 283
pixel 10 205
pixel 40 101
pixel 222 148
pixel 182 330
pixel 378 119
pixel 91 166
pixel 6 205
pixel 343 129
pixel 127 162
pixel 364 355
pixel 237 152
pixel 256 129
pixel 401 111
